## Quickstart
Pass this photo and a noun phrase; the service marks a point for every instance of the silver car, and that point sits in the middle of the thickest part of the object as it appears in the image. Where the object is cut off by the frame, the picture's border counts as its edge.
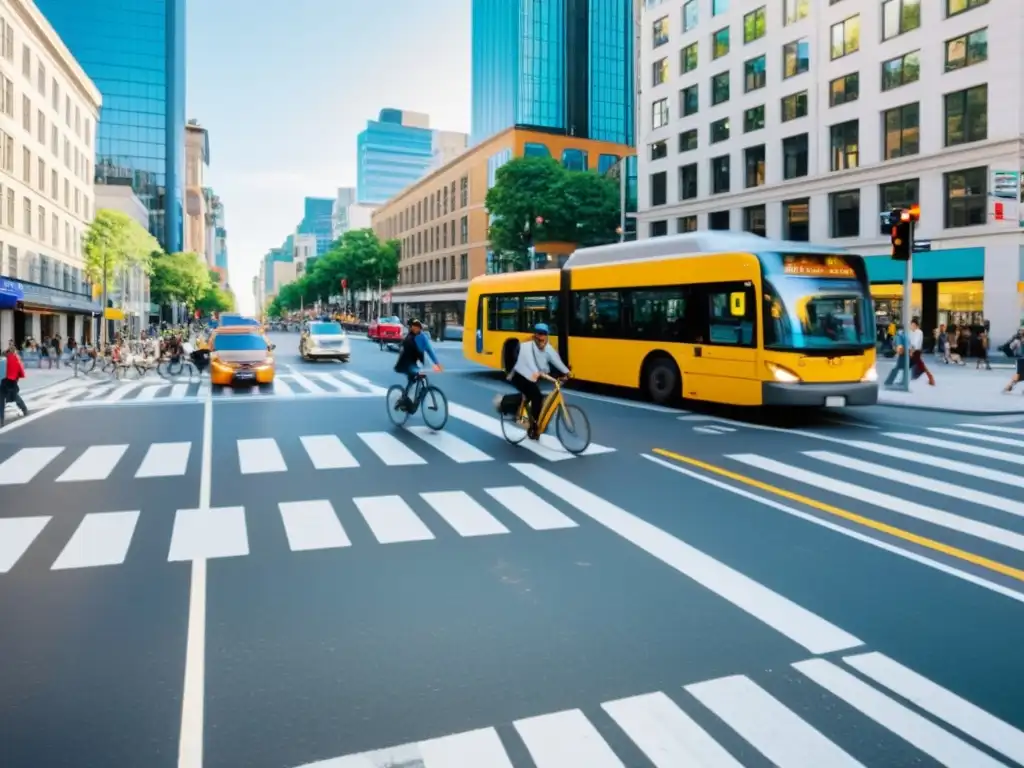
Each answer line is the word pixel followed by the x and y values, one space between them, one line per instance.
pixel 325 341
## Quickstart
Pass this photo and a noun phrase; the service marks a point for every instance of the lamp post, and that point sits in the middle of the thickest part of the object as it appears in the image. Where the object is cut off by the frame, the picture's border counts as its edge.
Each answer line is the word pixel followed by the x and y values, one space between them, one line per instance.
pixel 103 303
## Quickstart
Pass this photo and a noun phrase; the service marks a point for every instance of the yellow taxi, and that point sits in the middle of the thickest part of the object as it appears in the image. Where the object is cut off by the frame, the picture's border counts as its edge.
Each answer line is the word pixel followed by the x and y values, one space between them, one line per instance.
pixel 240 356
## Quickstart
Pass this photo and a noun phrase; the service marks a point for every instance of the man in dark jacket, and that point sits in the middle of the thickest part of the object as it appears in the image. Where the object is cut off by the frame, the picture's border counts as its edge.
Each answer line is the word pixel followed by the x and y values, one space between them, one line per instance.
pixel 411 354
pixel 14 371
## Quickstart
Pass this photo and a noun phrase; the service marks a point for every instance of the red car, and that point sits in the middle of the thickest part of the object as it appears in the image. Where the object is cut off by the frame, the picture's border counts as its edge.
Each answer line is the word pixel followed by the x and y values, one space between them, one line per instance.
pixel 386 330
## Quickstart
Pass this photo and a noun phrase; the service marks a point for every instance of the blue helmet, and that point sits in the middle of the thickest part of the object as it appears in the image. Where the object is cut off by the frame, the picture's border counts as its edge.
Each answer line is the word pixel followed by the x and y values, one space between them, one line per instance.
pixel 542 328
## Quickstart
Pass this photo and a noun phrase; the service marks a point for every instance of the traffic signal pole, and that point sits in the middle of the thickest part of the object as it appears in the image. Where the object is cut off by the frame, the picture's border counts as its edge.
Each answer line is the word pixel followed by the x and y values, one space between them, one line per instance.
pixel 908 291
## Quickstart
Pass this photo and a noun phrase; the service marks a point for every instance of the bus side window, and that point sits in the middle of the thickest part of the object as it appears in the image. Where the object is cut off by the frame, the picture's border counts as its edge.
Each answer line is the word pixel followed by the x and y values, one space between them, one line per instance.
pixel 598 315
pixel 657 315
pixel 503 313
pixel 552 320
pixel 732 315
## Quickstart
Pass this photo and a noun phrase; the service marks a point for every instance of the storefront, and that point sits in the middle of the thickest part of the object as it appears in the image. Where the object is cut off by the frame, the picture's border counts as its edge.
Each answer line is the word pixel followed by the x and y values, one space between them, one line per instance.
pixel 12 293
pixel 44 312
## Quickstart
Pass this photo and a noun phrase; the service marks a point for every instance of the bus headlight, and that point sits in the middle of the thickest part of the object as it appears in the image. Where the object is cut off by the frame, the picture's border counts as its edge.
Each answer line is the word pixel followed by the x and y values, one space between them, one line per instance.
pixel 871 374
pixel 782 374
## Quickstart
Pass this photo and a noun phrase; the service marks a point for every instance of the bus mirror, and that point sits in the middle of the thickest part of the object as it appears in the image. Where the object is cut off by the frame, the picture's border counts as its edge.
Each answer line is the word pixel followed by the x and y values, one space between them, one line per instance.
pixel 738 304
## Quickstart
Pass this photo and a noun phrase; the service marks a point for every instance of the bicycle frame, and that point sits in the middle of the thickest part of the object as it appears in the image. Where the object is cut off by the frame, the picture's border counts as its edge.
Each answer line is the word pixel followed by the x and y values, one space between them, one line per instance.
pixel 552 404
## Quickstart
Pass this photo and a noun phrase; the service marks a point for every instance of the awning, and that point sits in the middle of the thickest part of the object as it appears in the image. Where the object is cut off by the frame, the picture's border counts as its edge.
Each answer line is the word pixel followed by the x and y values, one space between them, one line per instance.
pixel 427 298
pixel 11 292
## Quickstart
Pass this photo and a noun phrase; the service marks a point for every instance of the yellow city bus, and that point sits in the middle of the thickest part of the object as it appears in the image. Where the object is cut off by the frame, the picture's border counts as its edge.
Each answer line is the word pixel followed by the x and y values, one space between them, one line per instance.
pixel 723 317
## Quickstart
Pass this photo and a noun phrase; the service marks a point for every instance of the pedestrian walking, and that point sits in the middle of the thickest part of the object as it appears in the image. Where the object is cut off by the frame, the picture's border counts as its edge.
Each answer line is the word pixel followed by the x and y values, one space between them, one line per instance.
pixel 1017 350
pixel 917 366
pixel 14 371
pixel 900 343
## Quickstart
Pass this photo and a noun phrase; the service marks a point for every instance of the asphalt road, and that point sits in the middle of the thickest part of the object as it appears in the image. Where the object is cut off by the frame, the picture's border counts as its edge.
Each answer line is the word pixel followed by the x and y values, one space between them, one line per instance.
pixel 276 578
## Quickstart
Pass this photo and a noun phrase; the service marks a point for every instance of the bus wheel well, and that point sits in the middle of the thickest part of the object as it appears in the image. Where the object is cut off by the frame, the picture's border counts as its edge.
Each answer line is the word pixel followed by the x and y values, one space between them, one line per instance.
pixel 509 353
pixel 660 380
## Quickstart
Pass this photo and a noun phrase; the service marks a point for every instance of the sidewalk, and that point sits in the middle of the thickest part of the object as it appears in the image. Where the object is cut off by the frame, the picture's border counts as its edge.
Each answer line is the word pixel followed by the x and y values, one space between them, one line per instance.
pixel 958 389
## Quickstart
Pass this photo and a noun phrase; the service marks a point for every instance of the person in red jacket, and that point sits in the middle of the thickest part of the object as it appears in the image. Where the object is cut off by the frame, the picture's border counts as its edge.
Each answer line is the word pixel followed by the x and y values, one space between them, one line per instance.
pixel 14 372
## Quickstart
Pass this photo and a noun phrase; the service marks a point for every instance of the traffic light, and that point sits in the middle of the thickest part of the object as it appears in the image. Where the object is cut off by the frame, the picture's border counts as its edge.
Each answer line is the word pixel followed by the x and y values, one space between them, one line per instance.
pixel 901 222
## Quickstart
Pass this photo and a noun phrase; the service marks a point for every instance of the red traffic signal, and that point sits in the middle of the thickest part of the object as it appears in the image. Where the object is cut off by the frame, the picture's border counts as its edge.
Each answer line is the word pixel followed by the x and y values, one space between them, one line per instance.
pixel 344 284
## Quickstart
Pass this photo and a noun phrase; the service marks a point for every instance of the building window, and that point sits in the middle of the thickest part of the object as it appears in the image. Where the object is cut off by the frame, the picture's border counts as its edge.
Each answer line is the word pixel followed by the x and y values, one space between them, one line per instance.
pixel 660 31
pixel 754 25
pixel 755 220
pixel 719 221
pixel 464 230
pixel 659 72
pixel 26 165
pixel 954 7
pixel 795 10
pixel 688 58
pixel 844 89
pixel 688 140
pixel 753 119
pixel 796 220
pixel 689 101
pixel 896 194
pixel 844 210
pixel 464 192
pixel 966 198
pixel 720 130
pixel 659 188
pixel 967 50
pixel 720 176
pixel 720 88
pixel 686 224
pixel 967 116
pixel 846 37
pixel 464 266
pixel 899 16
pixel 901 70
pixel 794 157
pixel 688 181
pixel 753 163
pixel 794 106
pixel 796 58
pixel 719 7
pixel 28 217
pixel 659 113
pixel 690 15
pixel 658 228
pixel 845 143
pixel 720 43
pixel 754 74
pixel 902 131
pixel 659 149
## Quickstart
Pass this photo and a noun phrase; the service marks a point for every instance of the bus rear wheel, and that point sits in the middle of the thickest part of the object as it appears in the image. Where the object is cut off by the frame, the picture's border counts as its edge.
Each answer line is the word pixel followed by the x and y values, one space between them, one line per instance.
pixel 661 380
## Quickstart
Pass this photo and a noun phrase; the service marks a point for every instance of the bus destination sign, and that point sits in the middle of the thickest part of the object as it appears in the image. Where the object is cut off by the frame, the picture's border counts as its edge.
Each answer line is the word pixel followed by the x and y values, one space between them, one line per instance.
pixel 808 265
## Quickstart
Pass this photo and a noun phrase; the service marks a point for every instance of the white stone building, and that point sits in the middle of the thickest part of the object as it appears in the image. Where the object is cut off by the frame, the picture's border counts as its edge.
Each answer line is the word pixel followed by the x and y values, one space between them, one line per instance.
pixel 804 119
pixel 347 214
pixel 48 112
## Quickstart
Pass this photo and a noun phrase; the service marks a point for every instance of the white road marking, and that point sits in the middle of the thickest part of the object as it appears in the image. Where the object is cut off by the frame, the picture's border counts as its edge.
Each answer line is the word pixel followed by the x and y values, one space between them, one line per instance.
pixel 565 738
pixel 959 448
pixel 473 749
pixel 994 439
pixel 464 513
pixel 530 508
pixel 124 390
pixel 455 448
pixel 24 465
pixel 281 388
pixel 994 428
pixel 491 425
pixel 201 534
pixel 390 449
pixel 178 392
pixel 337 384
pixel 363 382
pixel 306 383
pixel 798 624
pixel 165 460
pixel 312 525
pixel 260 455
pixel 768 725
pixel 102 538
pixel 97 462
pixel 16 536
pixel 150 392
pixel 327 452
pixel 391 520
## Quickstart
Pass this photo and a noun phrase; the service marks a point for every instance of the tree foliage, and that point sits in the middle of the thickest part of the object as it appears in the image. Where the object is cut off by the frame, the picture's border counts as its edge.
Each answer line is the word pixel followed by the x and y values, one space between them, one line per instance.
pixel 181 277
pixel 573 206
pixel 114 241
pixel 215 298
pixel 358 256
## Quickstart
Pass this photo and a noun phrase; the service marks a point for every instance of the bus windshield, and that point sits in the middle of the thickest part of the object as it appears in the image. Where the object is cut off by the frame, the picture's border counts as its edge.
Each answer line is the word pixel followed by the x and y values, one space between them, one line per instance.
pixel 816 303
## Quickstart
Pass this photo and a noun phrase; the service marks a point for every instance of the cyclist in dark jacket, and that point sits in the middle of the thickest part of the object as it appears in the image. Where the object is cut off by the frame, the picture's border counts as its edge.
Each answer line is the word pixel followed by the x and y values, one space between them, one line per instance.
pixel 415 347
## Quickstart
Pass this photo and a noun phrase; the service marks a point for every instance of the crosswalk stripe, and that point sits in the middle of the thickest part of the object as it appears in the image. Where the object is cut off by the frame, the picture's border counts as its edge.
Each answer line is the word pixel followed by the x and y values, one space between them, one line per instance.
pixel 943 704
pixel 472 749
pixel 390 449
pixel 150 392
pixel 994 428
pixel 959 466
pixel 530 508
pixel 307 383
pixel 100 392
pixel 706 431
pixel 933 485
pixel 337 384
pixel 202 534
pixel 312 525
pixel 994 439
pixel 178 392
pixel 885 501
pixel 95 463
pixel 362 382
pixel 20 468
pixel 768 725
pixel 952 445
pixel 464 513
pixel 668 736
pixel 204 390
pixel 327 452
pixel 565 738
pixel 455 448
pixel 102 538
pixel 281 388
pixel 165 460
pixel 943 747
pixel 16 536
pixel 260 455
pixel 391 520
pixel 491 425
pixel 123 391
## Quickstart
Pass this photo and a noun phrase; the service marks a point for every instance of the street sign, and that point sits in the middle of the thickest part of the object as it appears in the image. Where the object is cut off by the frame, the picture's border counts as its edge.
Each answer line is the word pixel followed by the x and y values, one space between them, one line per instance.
pixel 922 246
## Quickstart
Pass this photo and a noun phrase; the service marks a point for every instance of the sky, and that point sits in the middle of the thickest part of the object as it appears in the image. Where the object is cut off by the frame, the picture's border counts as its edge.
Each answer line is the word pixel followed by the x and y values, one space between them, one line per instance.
pixel 284 93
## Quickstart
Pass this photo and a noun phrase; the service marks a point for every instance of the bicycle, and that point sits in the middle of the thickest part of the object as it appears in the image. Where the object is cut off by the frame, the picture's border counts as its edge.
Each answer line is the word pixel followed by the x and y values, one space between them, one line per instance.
pixel 426 397
pixel 570 420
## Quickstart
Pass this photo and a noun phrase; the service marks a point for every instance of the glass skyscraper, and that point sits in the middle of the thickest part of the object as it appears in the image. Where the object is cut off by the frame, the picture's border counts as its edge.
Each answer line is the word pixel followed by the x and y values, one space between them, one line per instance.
pixel 317 219
pixel 564 66
pixel 134 50
pixel 391 155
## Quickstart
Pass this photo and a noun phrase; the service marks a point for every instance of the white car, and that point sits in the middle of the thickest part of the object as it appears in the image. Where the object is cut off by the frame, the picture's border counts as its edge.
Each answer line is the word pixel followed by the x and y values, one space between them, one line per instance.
pixel 324 341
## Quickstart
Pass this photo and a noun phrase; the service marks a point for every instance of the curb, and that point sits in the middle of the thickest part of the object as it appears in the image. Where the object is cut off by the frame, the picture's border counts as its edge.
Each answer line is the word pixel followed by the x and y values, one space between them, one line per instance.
pixel 956 411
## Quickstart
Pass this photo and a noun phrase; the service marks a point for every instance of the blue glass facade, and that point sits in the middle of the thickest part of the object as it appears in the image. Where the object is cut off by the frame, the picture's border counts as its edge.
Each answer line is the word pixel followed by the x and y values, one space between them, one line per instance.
pixel 557 65
pixel 316 220
pixel 134 50
pixel 389 157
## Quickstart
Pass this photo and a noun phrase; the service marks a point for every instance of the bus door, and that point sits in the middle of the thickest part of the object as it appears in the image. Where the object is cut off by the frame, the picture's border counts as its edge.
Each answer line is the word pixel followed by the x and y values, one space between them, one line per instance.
pixel 722 366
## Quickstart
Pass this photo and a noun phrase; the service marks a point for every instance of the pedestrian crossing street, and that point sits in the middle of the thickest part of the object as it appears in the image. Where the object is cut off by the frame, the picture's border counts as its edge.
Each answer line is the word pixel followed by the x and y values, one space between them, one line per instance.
pixel 105 538
pixel 734 721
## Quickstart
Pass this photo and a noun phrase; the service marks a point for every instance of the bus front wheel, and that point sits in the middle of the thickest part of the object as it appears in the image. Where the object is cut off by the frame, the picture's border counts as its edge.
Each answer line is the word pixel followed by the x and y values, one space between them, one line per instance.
pixel 661 380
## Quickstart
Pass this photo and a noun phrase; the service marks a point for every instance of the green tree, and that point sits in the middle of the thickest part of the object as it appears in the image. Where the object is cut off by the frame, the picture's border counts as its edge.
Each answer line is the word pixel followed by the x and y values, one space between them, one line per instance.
pixel 215 298
pixel 114 241
pixel 181 277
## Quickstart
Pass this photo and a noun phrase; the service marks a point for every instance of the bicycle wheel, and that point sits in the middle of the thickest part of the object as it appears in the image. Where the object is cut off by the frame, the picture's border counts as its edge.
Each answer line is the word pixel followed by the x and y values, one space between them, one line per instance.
pixel 434 407
pixel 394 396
pixel 512 428
pixel 573 433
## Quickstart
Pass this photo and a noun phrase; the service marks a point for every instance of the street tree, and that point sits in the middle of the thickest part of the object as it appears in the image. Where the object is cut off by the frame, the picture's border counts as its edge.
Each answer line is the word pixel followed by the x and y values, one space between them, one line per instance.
pixel 215 298
pixel 114 241
pixel 181 277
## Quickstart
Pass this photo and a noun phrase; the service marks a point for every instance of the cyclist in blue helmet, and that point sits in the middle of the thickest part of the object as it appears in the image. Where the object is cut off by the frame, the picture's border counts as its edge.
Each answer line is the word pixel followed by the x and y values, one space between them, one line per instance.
pixel 535 357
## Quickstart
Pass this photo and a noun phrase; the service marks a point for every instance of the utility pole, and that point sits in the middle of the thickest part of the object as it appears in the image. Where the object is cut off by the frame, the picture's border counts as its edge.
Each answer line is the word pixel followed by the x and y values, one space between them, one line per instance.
pixel 902 224
pixel 103 303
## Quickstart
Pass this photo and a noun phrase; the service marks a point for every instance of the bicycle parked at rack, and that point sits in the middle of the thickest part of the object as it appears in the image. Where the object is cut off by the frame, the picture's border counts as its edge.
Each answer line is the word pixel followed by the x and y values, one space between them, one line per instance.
pixel 572 427
pixel 426 397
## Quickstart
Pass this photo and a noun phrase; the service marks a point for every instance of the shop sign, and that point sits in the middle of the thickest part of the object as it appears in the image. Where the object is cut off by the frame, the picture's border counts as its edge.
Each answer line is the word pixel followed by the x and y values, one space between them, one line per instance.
pixel 1004 196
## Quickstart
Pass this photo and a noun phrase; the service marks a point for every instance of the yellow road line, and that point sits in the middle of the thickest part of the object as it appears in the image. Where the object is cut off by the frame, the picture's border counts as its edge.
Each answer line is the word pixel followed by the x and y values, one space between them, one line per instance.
pixel 867 522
